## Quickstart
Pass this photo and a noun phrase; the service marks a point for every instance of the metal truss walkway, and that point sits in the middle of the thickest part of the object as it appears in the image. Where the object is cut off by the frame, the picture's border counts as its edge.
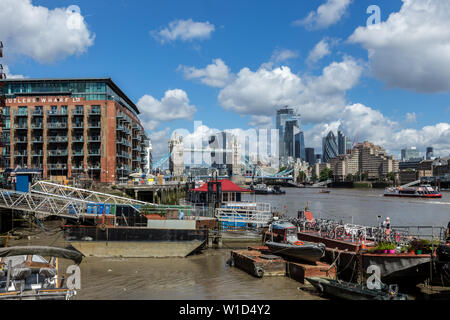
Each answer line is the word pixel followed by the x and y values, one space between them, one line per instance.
pixel 50 199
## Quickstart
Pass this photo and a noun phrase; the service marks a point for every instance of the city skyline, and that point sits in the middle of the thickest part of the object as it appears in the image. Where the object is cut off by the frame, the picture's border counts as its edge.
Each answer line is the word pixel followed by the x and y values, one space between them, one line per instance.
pixel 318 65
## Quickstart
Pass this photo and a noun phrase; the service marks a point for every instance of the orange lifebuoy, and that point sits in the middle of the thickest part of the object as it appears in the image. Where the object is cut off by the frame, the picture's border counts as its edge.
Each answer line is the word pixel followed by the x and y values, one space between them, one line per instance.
pixel 298 243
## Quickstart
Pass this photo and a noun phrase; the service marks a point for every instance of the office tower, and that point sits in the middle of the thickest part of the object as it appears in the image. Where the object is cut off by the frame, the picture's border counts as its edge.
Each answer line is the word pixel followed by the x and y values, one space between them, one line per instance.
pixel 309 154
pixel 429 153
pixel 410 154
pixel 287 123
pixel 342 142
pixel 329 147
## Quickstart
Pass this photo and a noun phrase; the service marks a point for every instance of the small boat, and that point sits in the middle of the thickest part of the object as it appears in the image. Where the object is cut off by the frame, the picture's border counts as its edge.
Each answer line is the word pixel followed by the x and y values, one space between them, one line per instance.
pixel 285 243
pixel 424 191
pixel 352 291
pixel 325 191
pixel 264 189
pixel 26 275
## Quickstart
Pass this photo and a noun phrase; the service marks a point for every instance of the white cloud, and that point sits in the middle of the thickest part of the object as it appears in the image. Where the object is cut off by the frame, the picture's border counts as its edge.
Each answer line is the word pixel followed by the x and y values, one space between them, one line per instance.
pixel 174 105
pixel 320 50
pixel 410 117
pixel 261 121
pixel 327 14
pixel 411 50
pixel 364 123
pixel 42 34
pixel 318 99
pixel 159 141
pixel 280 55
pixel 216 74
pixel 184 30
pixel 9 75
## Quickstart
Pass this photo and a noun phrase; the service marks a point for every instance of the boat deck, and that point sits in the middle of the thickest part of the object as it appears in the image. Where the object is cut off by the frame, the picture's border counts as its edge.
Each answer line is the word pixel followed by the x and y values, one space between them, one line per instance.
pixel 313 236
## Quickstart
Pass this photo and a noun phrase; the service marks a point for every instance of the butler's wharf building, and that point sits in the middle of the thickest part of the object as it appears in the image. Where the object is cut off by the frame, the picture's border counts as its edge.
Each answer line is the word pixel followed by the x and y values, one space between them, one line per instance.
pixel 72 127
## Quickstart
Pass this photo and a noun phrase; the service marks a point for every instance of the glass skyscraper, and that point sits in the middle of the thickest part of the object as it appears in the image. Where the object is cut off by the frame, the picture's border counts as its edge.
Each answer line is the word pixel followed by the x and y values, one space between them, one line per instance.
pixel 288 124
pixel 329 147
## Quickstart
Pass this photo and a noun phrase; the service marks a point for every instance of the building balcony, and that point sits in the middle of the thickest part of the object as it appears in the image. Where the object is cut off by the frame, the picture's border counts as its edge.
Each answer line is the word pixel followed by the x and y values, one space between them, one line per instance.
pixel 21 113
pixel 37 139
pixel 76 112
pixel 57 125
pixel 123 168
pixel 57 139
pixel 55 166
pixel 78 153
pixel 37 113
pixel 94 139
pixel 94 112
pixel 20 154
pixel 20 140
pixel 94 166
pixel 77 139
pixel 95 125
pixel 21 126
pixel 37 126
pixel 77 125
pixel 57 153
pixel 77 168
pixel 57 112
pixel 38 153
pixel 94 153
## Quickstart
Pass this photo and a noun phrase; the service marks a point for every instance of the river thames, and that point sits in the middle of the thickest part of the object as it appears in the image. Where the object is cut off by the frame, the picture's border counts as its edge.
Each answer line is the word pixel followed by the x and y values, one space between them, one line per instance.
pixel 207 276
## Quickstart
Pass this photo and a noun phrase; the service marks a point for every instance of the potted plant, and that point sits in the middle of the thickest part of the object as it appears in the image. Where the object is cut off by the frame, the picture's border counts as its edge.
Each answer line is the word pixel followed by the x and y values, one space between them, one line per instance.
pixel 390 247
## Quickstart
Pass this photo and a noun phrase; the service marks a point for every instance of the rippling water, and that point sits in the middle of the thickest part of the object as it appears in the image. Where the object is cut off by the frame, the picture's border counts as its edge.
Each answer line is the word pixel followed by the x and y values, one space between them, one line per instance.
pixel 206 276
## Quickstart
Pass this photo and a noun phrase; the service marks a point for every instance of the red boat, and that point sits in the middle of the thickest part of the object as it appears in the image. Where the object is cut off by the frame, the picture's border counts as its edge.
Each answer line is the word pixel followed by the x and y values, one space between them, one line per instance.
pixel 413 192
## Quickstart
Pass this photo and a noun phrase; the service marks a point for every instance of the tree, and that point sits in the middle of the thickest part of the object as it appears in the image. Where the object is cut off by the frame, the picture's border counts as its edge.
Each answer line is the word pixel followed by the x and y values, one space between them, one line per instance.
pixel 391 176
pixel 301 176
pixel 282 169
pixel 326 174
pixel 349 178
pixel 314 177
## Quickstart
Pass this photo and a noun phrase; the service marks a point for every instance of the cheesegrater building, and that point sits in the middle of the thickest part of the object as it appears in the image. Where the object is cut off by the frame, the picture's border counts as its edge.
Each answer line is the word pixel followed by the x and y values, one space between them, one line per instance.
pixel 72 127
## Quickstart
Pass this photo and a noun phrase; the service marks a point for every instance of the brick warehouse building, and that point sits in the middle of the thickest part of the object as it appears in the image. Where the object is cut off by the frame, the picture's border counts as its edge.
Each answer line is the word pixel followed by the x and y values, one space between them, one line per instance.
pixel 71 127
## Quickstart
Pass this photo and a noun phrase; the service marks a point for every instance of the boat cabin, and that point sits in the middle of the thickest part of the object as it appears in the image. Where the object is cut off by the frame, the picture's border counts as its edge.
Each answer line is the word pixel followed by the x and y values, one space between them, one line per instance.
pixel 216 191
pixel 283 231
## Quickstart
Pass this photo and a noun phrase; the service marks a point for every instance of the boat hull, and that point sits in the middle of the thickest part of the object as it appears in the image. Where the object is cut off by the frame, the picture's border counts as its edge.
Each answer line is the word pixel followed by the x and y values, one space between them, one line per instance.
pixel 349 291
pixel 134 242
pixel 426 196
pixel 309 252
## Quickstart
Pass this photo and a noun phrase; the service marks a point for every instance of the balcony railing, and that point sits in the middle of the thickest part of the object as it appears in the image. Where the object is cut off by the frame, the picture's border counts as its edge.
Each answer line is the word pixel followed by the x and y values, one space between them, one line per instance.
pixel 93 112
pixel 77 139
pixel 94 139
pixel 57 125
pixel 57 112
pixel 20 140
pixel 94 153
pixel 78 153
pixel 37 113
pixel 37 153
pixel 94 125
pixel 20 154
pixel 21 113
pixel 53 166
pixel 95 166
pixel 57 153
pixel 37 125
pixel 77 112
pixel 20 126
pixel 56 139
pixel 77 125
pixel 37 139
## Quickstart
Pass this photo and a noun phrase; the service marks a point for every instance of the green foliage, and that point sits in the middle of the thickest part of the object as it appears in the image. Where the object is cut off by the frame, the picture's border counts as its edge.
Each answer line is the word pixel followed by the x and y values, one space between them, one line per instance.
pixel 391 176
pixel 301 176
pixel 385 246
pixel 282 169
pixel 326 174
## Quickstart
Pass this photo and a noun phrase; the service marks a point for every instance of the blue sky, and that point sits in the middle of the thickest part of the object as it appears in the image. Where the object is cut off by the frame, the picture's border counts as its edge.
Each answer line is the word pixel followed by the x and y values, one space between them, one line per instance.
pixel 122 40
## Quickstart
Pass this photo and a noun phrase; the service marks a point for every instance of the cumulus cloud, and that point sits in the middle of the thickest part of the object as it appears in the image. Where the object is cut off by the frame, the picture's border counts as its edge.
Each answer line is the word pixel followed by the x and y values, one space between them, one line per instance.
pixel 318 98
pixel 410 117
pixel 281 55
pixel 174 105
pixel 216 74
pixel 326 15
pixel 42 34
pixel 411 50
pixel 9 75
pixel 261 121
pixel 320 50
pixel 362 123
pixel 159 141
pixel 184 30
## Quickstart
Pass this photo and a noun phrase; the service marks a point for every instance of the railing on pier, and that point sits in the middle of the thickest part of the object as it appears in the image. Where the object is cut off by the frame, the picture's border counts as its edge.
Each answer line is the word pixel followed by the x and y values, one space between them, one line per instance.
pixel 243 215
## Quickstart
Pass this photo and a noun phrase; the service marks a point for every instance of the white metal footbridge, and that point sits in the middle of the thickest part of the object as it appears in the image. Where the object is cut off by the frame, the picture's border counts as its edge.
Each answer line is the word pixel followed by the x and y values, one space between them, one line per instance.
pixel 51 199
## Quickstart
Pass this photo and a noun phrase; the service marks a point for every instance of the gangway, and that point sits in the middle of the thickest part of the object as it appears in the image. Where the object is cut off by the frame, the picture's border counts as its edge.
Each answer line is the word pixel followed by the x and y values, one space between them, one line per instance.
pixel 259 214
pixel 42 205
pixel 87 196
pixel 410 184
pixel 322 184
